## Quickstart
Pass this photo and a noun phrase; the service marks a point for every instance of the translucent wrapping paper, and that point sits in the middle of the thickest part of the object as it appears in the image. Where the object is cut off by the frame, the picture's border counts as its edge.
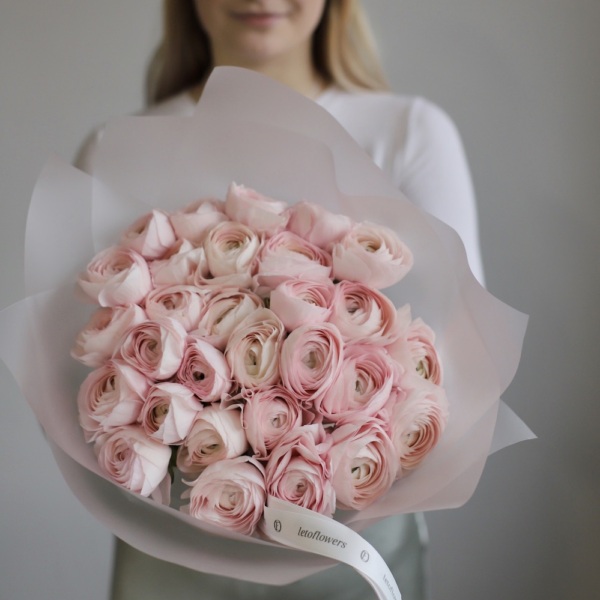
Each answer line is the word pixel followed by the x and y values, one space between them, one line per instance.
pixel 251 130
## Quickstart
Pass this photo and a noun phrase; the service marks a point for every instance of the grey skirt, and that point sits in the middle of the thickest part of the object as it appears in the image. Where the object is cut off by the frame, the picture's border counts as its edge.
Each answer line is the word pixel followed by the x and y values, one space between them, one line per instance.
pixel 400 540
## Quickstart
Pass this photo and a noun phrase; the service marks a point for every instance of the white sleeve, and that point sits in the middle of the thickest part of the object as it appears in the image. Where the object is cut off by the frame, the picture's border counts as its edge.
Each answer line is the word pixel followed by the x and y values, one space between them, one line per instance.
pixel 86 153
pixel 435 176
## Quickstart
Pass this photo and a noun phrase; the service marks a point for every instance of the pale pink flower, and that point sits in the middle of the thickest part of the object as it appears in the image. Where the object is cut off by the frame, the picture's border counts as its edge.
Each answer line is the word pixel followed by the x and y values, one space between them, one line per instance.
pixel 98 340
pixel 416 350
pixel 267 415
pixel 223 311
pixel 116 277
pixel 215 435
pixel 259 212
pixel 297 302
pixel 155 347
pixel 230 494
pixel 288 256
pixel 195 220
pixel 180 302
pixel 184 265
pixel 417 421
pixel 133 460
pixel 364 314
pixel 311 360
pixel 364 463
pixel 373 255
pixel 151 235
pixel 253 349
pixel 231 248
pixel 109 397
pixel 317 225
pixel 363 386
pixel 168 412
pixel 299 470
pixel 204 370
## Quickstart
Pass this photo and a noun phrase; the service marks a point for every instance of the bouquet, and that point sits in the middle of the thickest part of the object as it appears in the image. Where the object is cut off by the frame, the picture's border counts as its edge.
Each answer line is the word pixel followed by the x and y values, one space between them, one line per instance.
pixel 280 342
pixel 244 345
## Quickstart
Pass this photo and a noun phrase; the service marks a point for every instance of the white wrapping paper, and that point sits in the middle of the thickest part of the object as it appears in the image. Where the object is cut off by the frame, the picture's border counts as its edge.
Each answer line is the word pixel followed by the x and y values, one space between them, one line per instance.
pixel 254 131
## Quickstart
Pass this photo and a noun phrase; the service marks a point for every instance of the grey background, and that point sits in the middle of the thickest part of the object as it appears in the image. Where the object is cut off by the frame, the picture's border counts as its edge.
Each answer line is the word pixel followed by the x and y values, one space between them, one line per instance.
pixel 521 79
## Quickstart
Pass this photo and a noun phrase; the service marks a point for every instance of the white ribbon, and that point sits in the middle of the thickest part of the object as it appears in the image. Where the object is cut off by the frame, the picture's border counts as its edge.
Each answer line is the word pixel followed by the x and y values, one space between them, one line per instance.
pixel 304 529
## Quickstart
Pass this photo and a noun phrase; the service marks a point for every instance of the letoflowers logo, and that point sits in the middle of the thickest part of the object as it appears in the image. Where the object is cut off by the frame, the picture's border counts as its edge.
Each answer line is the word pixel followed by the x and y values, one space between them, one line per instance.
pixel 243 348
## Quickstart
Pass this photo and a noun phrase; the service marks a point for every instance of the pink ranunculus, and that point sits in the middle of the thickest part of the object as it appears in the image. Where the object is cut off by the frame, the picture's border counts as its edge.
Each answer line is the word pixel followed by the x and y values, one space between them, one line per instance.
pixel 311 360
pixel 364 462
pixel 183 265
pixel 317 225
pixel 299 470
pixel 363 386
pixel 363 314
pixel 168 412
pixel 133 460
pixel 116 277
pixel 417 421
pixel 155 347
pixel 259 212
pixel 151 235
pixel 416 350
pixel 267 415
pixel 215 435
pixel 288 256
pixel 204 370
pixel 109 397
pixel 231 248
pixel 297 302
pixel 195 220
pixel 253 349
pixel 230 494
pixel 183 303
pixel 98 340
pixel 223 311
pixel 373 255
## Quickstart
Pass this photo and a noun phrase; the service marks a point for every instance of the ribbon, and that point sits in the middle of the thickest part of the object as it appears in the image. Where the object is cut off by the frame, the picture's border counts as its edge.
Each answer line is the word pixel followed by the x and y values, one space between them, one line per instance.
pixel 307 530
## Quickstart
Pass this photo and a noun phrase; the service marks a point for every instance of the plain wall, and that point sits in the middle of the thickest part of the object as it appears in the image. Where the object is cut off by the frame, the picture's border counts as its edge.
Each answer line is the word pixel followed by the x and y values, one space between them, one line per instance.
pixel 521 80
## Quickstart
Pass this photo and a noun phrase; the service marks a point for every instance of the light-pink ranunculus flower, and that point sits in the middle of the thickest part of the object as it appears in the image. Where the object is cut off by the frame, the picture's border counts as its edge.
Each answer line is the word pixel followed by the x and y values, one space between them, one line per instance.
pixel 363 386
pixel 317 225
pixel 257 211
pixel 133 460
pixel 185 264
pixel 231 248
pixel 215 435
pixel 204 370
pixel 287 256
pixel 195 220
pixel 253 349
pixel 168 412
pixel 363 314
pixel 311 360
pixel 299 470
pixel 223 311
pixel 230 494
pixel 99 339
pixel 183 303
pixel 417 421
pixel 364 462
pixel 150 236
pixel 297 302
pixel 416 349
pixel 371 254
pixel 109 397
pixel 116 276
pixel 267 415
pixel 155 348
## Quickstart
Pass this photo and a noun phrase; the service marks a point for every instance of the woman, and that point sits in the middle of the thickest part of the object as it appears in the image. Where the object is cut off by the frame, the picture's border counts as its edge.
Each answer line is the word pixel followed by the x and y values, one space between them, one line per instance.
pixel 322 49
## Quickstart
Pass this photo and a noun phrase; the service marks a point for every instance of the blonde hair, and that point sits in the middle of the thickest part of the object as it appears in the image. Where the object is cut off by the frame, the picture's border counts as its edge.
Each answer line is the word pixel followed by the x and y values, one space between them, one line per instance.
pixel 344 52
